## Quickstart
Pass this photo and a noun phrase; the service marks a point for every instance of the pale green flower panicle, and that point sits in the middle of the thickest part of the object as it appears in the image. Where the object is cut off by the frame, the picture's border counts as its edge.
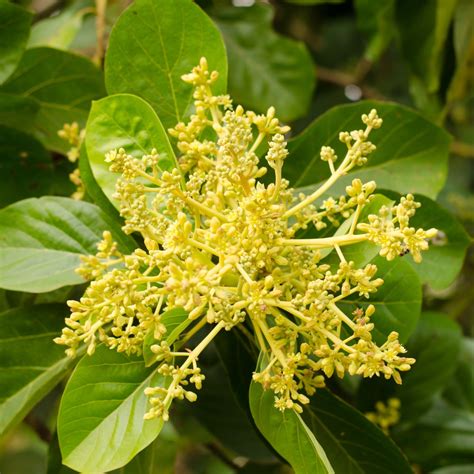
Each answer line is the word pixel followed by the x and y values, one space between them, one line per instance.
pixel 224 246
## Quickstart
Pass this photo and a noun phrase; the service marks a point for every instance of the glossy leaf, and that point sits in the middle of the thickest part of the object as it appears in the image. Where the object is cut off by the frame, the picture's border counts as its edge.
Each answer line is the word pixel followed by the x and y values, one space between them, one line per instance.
pixel 26 168
pixel 123 121
pixel 352 443
pixel 14 30
pixel 288 434
pixel 17 111
pixel 30 363
pixel 100 421
pixel 218 409
pixel 411 155
pixel 397 302
pixel 460 390
pixel 63 84
pixel 153 44
pixel 41 241
pixel 265 68
pixel 436 338
pixel 377 20
pixel 442 435
pixel 427 27
pixel 158 457
pixel 435 345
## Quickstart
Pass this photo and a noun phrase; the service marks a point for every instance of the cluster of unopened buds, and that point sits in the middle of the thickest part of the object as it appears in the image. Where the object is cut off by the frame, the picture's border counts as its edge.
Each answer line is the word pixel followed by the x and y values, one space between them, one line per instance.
pixel 224 247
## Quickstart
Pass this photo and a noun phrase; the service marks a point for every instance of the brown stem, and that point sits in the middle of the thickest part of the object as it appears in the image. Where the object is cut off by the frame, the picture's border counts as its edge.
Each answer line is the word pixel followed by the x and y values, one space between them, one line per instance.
pixel 343 79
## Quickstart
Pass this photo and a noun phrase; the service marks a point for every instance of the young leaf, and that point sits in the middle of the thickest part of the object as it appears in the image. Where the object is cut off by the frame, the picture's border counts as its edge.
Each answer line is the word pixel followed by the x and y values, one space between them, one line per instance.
pixel 63 84
pixel 30 363
pixel 397 302
pixel 153 44
pixel 352 443
pixel 286 73
pixel 41 241
pixel 26 168
pixel 123 121
pixel 411 154
pixel 14 30
pixel 288 434
pixel 100 421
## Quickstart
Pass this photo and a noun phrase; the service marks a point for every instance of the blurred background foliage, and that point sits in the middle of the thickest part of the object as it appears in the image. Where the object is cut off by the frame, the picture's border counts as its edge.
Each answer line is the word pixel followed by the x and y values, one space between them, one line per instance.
pixel 303 57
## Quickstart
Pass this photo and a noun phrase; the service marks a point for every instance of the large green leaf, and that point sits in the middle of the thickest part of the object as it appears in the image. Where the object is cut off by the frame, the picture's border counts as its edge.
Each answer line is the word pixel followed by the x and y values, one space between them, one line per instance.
pixel 26 168
pixel 435 345
pixel 352 443
pixel 30 363
pixel 17 111
pixel 41 241
pixel 59 31
pixel 123 121
pixel 218 408
pixel 411 155
pixel 153 44
pixel 63 84
pixel 427 27
pixel 377 20
pixel 100 421
pixel 444 435
pixel 460 390
pixel 397 302
pixel 266 69
pixel 288 434
pixel 14 30
pixel 447 251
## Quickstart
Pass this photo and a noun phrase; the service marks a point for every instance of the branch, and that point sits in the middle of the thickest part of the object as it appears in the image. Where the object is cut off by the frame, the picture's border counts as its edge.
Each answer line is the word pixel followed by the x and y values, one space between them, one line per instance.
pixel 343 79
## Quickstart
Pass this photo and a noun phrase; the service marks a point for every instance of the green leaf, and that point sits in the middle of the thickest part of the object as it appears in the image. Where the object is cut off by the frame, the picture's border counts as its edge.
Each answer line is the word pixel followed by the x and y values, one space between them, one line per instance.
pixel 176 321
pixel 352 443
pixel 63 84
pixel 377 20
pixel 442 436
pixel 458 469
pixel 217 407
pixel 153 44
pixel 17 111
pixel 158 457
pixel 460 390
pixel 287 433
pixel 426 27
pixel 60 30
pixel 26 168
pixel 41 241
pixel 265 68
pixel 30 363
pixel 123 121
pixel 435 345
pixel 362 253
pixel 447 251
pixel 313 2
pixel 411 155
pixel 100 421
pixel 397 302
pixel 14 30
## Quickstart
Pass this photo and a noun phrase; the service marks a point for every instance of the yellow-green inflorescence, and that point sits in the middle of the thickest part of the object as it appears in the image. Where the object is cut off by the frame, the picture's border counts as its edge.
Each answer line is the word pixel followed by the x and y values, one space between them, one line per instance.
pixel 225 247
pixel 385 415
